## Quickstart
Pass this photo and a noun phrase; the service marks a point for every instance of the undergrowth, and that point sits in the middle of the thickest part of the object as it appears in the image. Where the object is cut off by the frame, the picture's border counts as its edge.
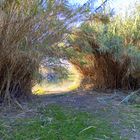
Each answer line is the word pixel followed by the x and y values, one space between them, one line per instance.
pixel 57 123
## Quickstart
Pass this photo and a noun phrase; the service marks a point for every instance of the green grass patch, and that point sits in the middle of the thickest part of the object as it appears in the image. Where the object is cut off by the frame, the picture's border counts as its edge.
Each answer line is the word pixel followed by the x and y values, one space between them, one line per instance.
pixel 58 123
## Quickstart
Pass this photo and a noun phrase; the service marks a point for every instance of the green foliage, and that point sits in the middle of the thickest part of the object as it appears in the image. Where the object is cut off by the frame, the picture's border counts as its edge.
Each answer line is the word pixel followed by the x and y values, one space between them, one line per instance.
pixel 110 48
pixel 128 27
pixel 118 37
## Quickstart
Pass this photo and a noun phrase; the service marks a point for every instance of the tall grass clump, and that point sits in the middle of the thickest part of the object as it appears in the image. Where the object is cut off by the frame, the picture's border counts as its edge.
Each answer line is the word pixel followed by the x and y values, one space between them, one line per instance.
pixel 109 59
pixel 27 29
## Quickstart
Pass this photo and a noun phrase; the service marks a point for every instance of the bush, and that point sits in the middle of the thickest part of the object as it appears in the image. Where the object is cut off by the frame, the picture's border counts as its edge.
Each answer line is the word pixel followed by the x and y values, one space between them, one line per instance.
pixel 27 29
pixel 109 60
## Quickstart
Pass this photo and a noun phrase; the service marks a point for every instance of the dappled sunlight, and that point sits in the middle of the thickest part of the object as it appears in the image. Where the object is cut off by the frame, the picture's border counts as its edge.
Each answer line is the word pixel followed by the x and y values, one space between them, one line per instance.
pixel 71 83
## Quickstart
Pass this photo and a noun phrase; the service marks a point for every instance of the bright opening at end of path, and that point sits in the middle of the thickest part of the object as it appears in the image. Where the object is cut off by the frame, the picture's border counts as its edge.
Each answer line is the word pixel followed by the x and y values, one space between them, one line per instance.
pixel 67 85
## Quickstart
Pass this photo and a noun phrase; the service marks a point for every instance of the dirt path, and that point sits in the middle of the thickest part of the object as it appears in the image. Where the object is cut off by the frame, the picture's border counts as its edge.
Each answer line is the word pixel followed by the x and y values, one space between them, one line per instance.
pixel 124 118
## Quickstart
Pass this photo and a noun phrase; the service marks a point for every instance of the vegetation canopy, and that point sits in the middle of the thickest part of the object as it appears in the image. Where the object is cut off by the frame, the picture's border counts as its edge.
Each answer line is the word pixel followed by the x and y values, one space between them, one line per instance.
pixel 27 30
pixel 103 48
pixel 104 52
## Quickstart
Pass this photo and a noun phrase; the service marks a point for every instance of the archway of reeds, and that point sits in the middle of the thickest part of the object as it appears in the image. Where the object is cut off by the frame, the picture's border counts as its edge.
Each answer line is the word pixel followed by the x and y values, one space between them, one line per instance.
pixel 103 59
pixel 27 30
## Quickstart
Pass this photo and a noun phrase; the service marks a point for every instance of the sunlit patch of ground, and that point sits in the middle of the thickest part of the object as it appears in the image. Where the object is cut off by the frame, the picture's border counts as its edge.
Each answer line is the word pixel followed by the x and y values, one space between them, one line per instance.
pixel 72 83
